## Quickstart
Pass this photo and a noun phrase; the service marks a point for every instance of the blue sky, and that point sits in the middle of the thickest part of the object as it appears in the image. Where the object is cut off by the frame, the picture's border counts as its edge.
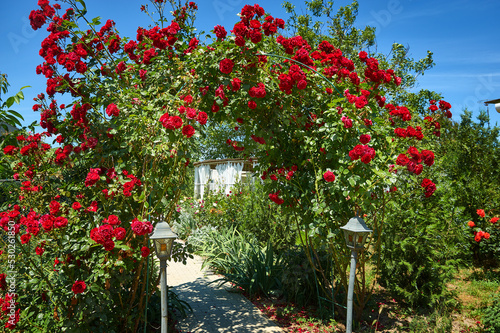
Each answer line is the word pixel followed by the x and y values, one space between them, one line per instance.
pixel 463 35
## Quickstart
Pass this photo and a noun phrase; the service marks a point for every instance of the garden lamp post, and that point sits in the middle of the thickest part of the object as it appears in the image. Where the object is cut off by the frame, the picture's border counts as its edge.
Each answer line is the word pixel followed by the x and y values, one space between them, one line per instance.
pixel 355 233
pixel 163 239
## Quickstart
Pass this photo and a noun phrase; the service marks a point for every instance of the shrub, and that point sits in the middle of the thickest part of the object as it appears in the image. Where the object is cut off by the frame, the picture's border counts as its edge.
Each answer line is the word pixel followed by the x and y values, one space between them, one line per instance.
pixel 491 316
pixel 417 256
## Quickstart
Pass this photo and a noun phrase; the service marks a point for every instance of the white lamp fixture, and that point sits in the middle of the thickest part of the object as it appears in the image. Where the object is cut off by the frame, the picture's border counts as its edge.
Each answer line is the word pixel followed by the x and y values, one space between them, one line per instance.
pixel 163 239
pixel 355 233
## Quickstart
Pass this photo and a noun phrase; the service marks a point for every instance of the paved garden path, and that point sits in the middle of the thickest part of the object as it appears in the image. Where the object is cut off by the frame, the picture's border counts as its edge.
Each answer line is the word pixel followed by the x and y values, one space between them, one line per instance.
pixel 215 309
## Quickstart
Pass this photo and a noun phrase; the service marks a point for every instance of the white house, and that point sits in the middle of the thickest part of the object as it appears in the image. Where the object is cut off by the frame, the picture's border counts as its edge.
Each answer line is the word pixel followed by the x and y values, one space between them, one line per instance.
pixel 221 175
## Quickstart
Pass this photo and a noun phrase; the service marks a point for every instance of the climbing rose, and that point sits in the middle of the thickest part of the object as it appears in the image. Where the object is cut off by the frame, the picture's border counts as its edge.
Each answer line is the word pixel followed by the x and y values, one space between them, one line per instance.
pixel 76 205
pixel 92 177
pixel 25 238
pixel 364 138
pixel 274 197
pixel 329 176
pixel 145 251
pixel 39 250
pixel 429 186
pixel 112 220
pixel 119 233
pixel 480 212
pixel 9 150
pixel 79 287
pixel 494 220
pixel 188 131
pixel 220 32
pixel 141 228
pixel 112 110
pixel 202 117
pixel 471 224
pixel 347 122
pixel 226 66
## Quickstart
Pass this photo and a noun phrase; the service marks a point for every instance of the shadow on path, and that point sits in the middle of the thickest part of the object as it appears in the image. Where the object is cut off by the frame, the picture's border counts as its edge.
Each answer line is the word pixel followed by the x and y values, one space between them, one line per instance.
pixel 215 309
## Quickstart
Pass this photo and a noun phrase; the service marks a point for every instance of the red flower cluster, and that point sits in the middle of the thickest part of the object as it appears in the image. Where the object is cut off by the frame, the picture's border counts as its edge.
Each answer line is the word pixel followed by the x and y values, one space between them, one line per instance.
pixel 347 121
pixel 258 139
pixel 413 163
pixel 220 32
pixel 479 235
pixel 429 187
pixel 112 110
pixel 409 132
pixel 258 91
pixel 93 177
pixel 363 152
pixel 401 112
pixel 295 78
pixel 251 29
pixel 105 233
pixel 129 186
pixel 275 198
pixel 280 172
pixel 141 228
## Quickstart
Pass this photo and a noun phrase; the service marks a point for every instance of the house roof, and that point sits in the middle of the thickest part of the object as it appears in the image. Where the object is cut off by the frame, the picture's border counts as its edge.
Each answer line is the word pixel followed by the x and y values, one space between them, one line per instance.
pixel 493 101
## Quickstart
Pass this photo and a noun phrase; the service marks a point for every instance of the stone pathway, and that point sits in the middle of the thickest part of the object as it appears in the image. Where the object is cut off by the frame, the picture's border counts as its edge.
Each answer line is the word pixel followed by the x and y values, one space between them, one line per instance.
pixel 215 309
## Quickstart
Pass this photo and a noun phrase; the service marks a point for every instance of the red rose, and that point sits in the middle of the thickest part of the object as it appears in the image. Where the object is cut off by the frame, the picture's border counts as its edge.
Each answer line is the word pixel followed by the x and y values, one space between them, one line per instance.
pixel 188 131
pixel 39 250
pixel 226 66
pixel 54 207
pixel 112 110
pixel 252 104
pixel 274 197
pixel 364 138
pixel 109 245
pixel 112 220
pixel 347 122
pixel 25 238
pixel 471 224
pixel 145 251
pixel 220 32
pixel 402 160
pixel 79 287
pixel 60 222
pixel 494 220
pixel 236 84
pixel 92 177
pixel 76 205
pixel 329 176
pixel 141 228
pixel 9 150
pixel 480 212
pixel 202 117
pixel 119 233
pixel 429 186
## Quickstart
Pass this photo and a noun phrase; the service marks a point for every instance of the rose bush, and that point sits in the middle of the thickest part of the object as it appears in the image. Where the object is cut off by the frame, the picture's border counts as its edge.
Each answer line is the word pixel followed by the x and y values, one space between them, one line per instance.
pixel 324 130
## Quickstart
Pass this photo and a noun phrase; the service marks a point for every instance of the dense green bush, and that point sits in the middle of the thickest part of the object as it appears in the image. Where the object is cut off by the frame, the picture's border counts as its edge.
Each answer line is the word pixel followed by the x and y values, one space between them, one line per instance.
pixel 419 250
pixel 491 316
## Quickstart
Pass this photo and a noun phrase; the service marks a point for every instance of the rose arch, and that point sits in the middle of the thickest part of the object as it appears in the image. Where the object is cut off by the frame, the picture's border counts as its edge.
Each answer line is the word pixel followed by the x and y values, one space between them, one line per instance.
pixel 329 142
